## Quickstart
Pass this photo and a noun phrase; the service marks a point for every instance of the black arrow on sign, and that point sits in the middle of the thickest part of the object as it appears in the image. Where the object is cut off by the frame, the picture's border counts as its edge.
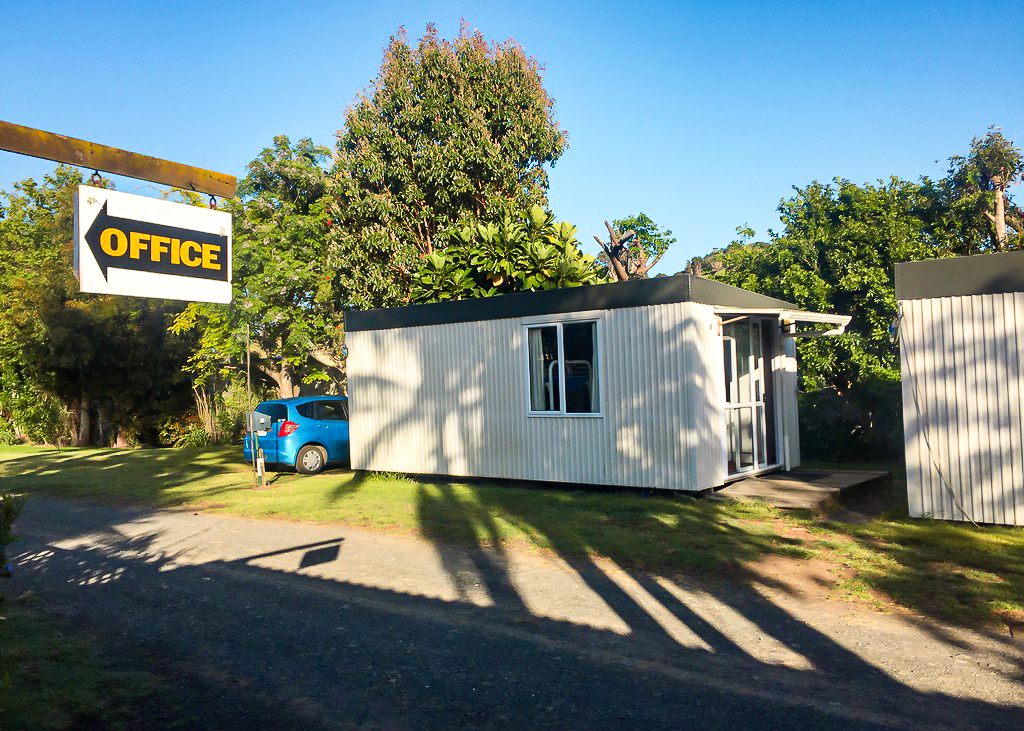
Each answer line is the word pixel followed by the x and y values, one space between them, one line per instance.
pixel 187 262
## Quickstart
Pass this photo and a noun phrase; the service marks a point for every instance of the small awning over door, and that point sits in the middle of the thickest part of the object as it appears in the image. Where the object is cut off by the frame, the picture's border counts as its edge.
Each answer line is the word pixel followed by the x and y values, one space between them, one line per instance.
pixel 790 320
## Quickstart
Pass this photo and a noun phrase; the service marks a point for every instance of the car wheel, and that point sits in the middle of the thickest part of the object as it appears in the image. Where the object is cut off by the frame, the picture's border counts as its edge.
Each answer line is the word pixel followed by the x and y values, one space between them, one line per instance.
pixel 310 460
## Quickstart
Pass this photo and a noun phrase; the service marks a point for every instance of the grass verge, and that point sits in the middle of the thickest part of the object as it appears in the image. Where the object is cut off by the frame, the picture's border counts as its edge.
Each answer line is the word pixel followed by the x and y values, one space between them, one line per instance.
pixel 949 571
pixel 51 681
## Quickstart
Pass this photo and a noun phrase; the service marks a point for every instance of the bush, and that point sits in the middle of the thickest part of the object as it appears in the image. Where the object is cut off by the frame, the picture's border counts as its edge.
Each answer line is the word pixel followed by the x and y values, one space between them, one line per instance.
pixel 231 414
pixel 219 418
pixel 10 509
pixel 34 414
pixel 863 426
pixel 8 434
pixel 194 435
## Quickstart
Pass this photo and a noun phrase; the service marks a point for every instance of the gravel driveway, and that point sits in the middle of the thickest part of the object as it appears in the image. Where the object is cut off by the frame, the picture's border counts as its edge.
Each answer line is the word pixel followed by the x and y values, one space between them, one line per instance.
pixel 276 625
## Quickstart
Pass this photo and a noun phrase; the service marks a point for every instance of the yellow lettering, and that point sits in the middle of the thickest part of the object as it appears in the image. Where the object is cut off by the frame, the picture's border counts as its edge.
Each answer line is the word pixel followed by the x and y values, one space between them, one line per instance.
pixel 158 247
pixel 113 242
pixel 175 254
pixel 209 252
pixel 187 259
pixel 138 243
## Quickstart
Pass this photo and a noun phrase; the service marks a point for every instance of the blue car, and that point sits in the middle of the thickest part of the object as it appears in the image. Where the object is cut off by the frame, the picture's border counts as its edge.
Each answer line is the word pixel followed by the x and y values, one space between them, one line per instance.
pixel 308 432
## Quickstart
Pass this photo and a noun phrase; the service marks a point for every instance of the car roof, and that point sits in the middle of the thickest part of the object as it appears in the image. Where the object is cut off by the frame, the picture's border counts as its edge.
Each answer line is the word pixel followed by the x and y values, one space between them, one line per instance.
pixel 304 399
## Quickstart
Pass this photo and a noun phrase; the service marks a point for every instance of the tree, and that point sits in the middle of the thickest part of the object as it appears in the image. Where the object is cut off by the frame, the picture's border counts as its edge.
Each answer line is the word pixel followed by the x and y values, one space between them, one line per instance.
pixel 35 227
pixel 837 254
pixel 449 135
pixel 525 251
pixel 976 189
pixel 284 287
pixel 98 356
pixel 635 246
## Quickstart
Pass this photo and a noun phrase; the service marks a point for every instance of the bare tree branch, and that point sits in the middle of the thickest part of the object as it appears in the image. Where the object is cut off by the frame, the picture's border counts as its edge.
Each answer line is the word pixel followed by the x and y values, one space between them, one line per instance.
pixel 324 357
pixel 620 272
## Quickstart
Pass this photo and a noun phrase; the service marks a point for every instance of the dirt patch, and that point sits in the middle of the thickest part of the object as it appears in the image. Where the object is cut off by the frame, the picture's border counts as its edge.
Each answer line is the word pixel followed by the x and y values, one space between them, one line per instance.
pixel 811 579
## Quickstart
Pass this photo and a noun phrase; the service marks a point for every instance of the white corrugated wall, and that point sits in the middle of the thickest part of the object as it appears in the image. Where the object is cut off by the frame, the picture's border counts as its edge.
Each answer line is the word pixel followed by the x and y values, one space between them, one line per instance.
pixel 451 399
pixel 963 390
pixel 784 367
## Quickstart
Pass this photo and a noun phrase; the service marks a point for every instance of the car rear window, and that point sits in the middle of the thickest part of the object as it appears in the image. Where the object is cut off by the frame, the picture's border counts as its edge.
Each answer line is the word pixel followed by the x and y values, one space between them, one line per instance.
pixel 332 410
pixel 306 409
pixel 277 412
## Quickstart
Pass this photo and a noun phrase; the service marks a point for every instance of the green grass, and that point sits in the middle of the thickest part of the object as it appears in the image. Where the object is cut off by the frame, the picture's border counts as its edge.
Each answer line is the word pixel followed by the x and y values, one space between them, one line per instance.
pixel 50 680
pixel 667 533
pixel 949 571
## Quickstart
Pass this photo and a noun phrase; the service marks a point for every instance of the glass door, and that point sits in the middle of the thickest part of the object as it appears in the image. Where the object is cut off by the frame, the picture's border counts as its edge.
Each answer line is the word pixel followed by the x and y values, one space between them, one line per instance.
pixel 749 411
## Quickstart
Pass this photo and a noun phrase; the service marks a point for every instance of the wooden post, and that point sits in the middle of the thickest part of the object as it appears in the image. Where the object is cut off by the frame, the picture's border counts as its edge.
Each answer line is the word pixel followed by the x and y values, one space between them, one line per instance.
pixel 50 146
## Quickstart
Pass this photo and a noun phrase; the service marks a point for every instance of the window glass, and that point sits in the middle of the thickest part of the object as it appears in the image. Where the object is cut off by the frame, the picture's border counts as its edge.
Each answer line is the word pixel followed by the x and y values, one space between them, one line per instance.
pixel 332 410
pixel 738 346
pixel 731 387
pixel 562 362
pixel 544 377
pixel 580 368
pixel 277 412
pixel 743 379
pixel 306 409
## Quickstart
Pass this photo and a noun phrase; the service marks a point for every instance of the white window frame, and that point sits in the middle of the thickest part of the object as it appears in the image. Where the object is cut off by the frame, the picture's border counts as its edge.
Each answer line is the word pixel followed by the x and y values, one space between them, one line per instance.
pixel 574 318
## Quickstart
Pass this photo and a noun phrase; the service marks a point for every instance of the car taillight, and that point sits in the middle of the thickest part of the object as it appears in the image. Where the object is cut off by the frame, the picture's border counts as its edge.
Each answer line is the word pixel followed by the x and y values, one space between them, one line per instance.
pixel 287 427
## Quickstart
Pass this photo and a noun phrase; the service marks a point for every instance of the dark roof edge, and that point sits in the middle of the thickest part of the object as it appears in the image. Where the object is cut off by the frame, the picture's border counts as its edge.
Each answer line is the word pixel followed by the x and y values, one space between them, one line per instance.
pixel 636 293
pixel 710 292
pixel 961 276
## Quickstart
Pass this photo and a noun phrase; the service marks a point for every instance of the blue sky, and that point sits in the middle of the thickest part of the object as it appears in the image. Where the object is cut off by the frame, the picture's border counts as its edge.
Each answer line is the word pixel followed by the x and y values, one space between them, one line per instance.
pixel 702 115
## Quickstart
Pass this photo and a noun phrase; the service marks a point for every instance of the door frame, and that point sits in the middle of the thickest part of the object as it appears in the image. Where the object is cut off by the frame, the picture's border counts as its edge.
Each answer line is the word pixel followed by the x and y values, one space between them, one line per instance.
pixel 766 410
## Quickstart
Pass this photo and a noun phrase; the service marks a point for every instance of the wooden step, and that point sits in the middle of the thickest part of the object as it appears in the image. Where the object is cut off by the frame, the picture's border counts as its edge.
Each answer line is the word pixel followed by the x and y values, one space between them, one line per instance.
pixel 799 489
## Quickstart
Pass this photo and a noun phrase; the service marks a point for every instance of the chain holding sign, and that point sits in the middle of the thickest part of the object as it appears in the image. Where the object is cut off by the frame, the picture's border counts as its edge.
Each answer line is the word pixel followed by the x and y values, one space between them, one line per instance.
pixel 143 247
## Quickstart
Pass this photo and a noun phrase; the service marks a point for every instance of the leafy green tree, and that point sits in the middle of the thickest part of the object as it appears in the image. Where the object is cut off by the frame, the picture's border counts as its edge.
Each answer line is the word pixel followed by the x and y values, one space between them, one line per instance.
pixel 450 134
pixel 974 202
pixel 525 251
pixel 285 304
pixel 62 350
pixel 35 225
pixel 837 254
pixel 635 246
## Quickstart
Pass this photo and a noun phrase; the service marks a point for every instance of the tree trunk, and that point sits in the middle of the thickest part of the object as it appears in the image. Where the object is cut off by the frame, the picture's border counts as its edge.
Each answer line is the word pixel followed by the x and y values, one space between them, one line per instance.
pixel 84 425
pixel 285 384
pixel 101 428
pixel 616 251
pixel 1000 219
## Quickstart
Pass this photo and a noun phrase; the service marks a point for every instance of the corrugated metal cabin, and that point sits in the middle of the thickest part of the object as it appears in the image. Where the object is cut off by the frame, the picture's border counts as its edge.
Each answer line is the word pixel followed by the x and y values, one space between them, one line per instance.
pixel 961 334
pixel 676 383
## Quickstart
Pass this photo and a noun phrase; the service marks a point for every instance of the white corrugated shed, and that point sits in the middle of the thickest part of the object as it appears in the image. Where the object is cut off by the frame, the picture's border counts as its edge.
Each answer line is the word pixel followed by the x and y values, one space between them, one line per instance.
pixel 451 399
pixel 961 336
pixel 445 389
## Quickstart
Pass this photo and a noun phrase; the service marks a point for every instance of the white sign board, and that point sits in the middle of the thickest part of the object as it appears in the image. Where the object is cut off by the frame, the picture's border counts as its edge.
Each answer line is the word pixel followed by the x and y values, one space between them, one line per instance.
pixel 145 247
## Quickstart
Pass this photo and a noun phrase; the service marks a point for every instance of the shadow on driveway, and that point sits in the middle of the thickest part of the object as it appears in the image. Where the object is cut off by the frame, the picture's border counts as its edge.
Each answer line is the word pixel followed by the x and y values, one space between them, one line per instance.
pixel 253 647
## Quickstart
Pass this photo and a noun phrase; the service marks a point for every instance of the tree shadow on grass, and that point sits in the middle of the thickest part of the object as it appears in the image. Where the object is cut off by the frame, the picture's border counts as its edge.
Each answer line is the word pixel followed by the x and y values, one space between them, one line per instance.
pixel 160 477
pixel 957 574
pixel 350 486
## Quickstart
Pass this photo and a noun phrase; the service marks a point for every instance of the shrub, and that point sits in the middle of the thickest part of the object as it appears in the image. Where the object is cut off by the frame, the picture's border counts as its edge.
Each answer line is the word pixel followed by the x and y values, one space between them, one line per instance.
pixel 8 434
pixel 10 509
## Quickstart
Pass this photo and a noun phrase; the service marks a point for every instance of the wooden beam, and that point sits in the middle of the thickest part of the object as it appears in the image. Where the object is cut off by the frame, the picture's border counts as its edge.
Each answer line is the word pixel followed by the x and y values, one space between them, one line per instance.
pixel 93 156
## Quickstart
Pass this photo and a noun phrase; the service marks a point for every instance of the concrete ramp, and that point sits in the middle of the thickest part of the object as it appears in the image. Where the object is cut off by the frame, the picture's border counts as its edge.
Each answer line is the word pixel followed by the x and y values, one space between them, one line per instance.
pixel 800 489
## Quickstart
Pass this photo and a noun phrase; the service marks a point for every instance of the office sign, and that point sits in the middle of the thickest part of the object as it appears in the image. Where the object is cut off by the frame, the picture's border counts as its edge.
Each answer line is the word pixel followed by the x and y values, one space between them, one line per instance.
pixel 145 247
